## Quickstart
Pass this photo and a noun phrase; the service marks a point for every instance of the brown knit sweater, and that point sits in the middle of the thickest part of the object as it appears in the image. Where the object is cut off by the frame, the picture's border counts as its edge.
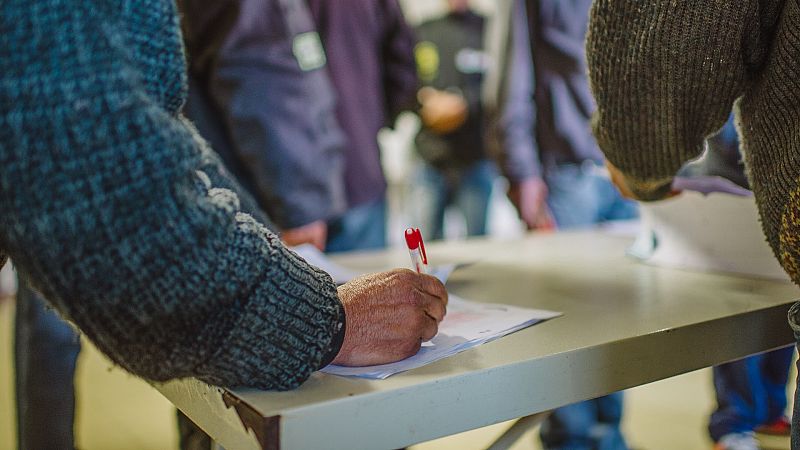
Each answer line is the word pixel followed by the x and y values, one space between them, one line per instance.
pixel 666 75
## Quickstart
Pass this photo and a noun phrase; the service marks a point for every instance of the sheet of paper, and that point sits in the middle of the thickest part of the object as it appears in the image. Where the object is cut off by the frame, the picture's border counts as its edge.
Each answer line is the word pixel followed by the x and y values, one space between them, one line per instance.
pixel 717 232
pixel 342 274
pixel 708 184
pixel 467 325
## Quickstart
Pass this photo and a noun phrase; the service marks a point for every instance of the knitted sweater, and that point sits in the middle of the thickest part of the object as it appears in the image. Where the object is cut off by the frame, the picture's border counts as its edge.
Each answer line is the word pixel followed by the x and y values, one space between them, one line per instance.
pixel 666 73
pixel 116 210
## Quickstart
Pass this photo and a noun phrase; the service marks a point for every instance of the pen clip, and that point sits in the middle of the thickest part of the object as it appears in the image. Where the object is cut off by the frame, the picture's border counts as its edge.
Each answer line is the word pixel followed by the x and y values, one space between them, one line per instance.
pixel 422 247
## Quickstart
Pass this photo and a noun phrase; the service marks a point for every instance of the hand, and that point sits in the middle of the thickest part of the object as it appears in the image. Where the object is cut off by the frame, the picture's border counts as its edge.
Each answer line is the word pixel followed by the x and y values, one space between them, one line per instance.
pixel 315 233
pixel 620 181
pixel 442 111
pixel 389 316
pixel 530 198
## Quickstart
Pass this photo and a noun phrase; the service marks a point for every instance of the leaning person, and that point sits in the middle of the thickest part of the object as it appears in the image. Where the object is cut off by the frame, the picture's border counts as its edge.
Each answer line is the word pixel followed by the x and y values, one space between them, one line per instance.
pixel 665 75
pixel 121 216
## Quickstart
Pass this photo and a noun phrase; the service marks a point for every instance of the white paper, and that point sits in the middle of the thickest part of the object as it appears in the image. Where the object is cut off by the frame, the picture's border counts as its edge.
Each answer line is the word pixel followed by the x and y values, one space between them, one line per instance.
pixel 466 325
pixel 342 275
pixel 316 258
pixel 716 232
pixel 708 184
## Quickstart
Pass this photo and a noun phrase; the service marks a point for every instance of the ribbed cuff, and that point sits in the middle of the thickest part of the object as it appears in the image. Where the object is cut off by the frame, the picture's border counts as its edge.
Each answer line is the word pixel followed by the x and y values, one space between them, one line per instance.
pixel 290 326
pixel 336 343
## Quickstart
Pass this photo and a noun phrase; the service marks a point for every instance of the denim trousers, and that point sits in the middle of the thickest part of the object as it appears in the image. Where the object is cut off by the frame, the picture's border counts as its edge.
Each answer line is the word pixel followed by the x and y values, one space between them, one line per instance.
pixel 750 392
pixel 46 350
pixel 794 322
pixel 468 190
pixel 580 195
pixel 362 227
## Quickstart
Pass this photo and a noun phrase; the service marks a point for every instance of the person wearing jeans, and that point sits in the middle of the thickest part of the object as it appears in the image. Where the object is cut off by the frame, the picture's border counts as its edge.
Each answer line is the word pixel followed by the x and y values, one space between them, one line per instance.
pixel 46 350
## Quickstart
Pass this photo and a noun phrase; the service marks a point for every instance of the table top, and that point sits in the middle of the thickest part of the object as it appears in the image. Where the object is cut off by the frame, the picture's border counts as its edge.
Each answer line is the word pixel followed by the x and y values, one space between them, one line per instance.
pixel 625 324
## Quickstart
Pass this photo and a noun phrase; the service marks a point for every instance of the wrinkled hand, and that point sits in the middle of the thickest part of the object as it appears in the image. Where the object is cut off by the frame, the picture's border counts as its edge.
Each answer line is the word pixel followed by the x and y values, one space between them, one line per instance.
pixel 442 111
pixel 315 233
pixel 389 316
pixel 530 198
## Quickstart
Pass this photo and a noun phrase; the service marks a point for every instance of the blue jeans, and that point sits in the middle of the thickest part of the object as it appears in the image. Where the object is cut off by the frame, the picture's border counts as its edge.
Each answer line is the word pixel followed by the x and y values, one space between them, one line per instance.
pixel 750 392
pixel 360 228
pixel 581 196
pixel 794 322
pixel 46 350
pixel 468 189
pixel 589 425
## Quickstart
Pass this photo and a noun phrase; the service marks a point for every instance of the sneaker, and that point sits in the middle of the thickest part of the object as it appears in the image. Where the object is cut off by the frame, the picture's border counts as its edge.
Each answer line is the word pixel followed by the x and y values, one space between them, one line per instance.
pixel 737 441
pixel 780 427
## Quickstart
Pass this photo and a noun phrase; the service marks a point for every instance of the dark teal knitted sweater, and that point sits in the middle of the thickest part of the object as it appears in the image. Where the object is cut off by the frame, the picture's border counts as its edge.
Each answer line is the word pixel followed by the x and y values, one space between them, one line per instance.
pixel 114 208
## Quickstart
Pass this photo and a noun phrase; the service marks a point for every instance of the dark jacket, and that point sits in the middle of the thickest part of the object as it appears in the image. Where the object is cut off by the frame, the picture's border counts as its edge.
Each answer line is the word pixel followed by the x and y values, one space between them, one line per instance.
pixel 564 103
pixel 371 61
pixel 451 57
pixel 260 94
pixel 544 91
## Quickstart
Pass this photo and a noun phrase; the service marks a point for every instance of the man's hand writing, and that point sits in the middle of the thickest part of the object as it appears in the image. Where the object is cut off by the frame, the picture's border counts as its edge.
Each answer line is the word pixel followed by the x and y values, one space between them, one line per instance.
pixel 389 316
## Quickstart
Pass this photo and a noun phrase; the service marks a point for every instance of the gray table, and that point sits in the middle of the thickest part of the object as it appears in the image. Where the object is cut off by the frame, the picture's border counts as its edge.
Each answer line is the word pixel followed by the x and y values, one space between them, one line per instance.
pixel 625 324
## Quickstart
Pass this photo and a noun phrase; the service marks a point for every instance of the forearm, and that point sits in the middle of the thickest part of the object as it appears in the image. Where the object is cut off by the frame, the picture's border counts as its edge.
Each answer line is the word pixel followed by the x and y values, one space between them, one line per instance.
pixel 665 76
pixel 107 211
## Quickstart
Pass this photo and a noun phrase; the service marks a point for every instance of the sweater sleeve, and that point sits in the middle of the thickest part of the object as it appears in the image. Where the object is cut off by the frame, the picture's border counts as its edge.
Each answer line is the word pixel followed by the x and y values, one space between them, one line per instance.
pixel 107 212
pixel 665 75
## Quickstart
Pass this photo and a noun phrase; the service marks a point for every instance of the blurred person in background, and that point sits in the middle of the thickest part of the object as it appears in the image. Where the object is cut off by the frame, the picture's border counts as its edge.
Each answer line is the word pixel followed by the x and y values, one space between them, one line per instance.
pixel 543 93
pixel 565 181
pixel 455 169
pixel 370 53
pixel 259 92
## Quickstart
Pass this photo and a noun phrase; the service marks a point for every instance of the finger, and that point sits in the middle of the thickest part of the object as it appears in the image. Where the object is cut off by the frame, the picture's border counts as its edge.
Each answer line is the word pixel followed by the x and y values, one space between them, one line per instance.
pixel 405 349
pixel 430 329
pixel 432 286
pixel 434 307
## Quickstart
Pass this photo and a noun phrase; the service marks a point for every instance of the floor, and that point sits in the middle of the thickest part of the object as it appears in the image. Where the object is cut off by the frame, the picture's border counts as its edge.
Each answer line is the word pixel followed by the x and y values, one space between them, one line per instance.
pixel 119 412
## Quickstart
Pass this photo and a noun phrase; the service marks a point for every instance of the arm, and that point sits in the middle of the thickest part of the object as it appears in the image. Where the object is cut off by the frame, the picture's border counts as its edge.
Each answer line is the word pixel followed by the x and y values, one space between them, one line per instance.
pixel 106 210
pixel 512 129
pixel 665 76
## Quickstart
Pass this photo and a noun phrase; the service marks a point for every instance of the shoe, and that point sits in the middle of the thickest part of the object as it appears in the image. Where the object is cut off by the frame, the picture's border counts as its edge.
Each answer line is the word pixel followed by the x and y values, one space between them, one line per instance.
pixel 779 427
pixel 737 441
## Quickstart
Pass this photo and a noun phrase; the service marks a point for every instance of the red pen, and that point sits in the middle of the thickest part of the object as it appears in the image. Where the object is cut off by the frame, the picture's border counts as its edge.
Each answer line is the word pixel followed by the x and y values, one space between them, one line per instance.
pixel 416 249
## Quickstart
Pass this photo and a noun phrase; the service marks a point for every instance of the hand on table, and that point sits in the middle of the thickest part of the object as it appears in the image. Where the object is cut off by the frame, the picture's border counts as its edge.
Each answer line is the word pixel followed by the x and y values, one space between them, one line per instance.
pixel 389 316
pixel 315 233
pixel 442 111
pixel 530 198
